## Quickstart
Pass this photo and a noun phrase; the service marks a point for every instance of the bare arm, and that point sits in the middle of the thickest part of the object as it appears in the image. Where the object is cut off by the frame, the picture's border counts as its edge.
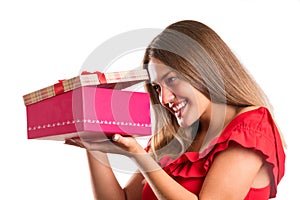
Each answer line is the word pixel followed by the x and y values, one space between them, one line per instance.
pixel 161 183
pixel 104 183
pixel 233 172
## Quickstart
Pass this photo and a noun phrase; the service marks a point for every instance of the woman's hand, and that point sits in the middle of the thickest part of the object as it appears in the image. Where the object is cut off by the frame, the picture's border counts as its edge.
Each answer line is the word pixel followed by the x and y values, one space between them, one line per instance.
pixel 119 144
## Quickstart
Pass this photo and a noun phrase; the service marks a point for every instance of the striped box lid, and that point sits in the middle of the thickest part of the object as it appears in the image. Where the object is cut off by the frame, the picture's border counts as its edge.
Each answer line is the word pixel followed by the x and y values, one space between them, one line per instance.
pixel 119 80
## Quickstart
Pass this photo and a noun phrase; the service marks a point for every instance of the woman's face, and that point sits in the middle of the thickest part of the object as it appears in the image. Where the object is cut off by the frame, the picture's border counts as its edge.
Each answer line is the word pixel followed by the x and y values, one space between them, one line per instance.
pixel 183 100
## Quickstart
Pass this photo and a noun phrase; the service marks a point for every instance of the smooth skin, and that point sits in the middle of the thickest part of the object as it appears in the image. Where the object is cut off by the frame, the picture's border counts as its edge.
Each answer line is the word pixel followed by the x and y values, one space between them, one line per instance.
pixel 231 175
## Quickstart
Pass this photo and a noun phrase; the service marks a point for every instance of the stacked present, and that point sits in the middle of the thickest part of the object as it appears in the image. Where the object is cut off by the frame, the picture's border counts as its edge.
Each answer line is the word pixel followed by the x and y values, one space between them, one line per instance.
pixel 89 105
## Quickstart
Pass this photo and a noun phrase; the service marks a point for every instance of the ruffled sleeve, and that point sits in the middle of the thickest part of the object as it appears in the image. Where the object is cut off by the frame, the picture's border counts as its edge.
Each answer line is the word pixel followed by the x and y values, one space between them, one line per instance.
pixel 253 129
pixel 256 130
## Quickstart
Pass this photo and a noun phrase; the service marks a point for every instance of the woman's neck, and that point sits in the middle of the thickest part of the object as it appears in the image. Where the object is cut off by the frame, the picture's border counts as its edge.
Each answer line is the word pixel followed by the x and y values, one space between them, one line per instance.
pixel 212 124
pixel 217 116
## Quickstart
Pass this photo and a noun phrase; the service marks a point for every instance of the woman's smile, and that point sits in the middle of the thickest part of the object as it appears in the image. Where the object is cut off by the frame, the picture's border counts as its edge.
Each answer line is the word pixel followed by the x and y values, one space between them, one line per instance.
pixel 179 108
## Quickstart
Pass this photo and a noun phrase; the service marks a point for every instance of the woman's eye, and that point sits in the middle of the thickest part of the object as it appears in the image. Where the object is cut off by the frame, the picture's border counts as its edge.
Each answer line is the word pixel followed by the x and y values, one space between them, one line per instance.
pixel 170 80
pixel 156 88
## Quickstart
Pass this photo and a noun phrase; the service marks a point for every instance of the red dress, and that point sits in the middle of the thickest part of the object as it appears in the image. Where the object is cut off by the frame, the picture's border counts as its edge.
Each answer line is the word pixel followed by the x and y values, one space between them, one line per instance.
pixel 253 129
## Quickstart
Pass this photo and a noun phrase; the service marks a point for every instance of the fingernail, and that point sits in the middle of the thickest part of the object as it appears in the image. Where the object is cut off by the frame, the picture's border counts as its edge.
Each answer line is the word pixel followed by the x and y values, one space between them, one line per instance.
pixel 115 138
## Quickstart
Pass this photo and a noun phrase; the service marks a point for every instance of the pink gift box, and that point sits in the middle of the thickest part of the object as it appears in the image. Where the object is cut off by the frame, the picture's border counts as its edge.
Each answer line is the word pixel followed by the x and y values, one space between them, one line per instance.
pixel 89 112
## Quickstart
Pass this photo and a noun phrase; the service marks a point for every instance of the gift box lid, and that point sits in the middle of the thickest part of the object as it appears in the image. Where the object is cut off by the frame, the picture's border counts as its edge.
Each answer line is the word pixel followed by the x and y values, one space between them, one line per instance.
pixel 117 80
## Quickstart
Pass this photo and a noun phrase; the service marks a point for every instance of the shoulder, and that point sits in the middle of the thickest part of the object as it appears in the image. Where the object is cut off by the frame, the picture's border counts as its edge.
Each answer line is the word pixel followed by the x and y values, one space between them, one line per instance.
pixel 256 111
pixel 252 126
pixel 249 125
pixel 252 118
pixel 247 109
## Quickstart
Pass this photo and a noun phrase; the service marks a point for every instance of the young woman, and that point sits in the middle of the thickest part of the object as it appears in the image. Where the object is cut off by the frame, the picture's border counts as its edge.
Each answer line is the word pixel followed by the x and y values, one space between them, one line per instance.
pixel 214 135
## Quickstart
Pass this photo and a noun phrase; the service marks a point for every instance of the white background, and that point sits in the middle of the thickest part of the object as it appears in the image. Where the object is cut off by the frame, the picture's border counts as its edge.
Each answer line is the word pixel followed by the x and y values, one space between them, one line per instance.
pixel 44 41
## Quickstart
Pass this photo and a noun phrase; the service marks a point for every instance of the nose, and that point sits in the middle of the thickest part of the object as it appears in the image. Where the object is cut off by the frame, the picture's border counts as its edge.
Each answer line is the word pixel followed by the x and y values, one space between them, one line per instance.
pixel 166 96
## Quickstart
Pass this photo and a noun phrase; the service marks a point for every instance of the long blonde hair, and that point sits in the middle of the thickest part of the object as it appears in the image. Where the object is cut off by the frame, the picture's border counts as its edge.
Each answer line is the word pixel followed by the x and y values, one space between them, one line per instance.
pixel 203 59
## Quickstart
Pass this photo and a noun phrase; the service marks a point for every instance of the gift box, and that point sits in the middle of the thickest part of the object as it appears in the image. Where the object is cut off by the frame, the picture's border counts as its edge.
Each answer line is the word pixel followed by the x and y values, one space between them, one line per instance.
pixel 93 111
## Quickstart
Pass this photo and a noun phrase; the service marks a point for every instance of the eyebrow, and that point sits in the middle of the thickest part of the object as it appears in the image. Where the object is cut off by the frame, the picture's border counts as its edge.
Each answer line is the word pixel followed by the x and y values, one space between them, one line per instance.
pixel 163 77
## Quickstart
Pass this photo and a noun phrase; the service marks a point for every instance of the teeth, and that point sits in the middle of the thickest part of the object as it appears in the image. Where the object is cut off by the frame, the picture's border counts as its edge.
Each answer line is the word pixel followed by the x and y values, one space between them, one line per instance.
pixel 179 106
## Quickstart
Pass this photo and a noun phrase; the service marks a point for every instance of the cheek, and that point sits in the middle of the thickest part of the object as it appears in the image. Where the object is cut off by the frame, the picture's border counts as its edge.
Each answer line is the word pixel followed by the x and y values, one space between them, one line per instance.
pixel 199 102
pixel 191 93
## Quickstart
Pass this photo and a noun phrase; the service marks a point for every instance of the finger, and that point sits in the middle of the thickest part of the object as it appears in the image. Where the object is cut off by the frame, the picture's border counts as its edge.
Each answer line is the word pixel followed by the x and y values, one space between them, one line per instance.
pixel 115 137
pixel 128 144
pixel 120 140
